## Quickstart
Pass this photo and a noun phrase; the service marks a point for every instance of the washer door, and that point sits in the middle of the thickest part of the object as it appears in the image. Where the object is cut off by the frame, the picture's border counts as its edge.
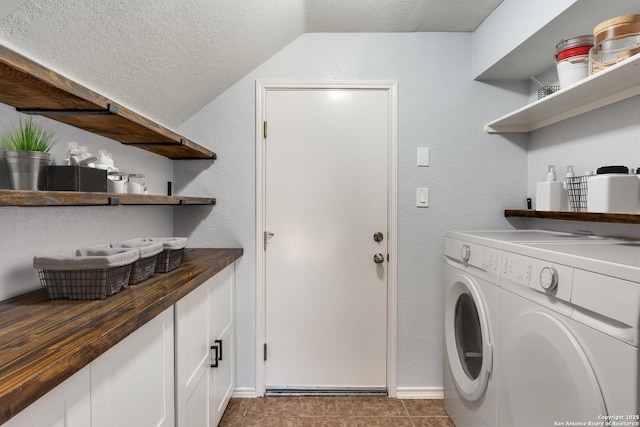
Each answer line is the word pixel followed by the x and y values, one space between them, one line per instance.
pixel 467 337
pixel 546 375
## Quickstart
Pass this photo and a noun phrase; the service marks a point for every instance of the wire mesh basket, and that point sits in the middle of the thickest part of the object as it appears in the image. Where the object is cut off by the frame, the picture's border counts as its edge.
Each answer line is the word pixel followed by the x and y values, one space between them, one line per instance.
pixel 84 284
pixel 577 190
pixel 142 269
pixel 169 259
pixel 86 273
pixel 547 90
pixel 145 266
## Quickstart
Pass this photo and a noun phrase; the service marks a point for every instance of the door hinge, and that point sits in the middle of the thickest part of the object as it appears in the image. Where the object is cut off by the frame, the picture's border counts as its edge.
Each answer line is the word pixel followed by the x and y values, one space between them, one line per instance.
pixel 264 129
pixel 266 236
pixel 264 349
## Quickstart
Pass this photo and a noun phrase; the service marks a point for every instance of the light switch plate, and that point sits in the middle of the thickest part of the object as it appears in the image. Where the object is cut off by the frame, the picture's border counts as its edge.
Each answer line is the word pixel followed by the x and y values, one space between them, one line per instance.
pixel 423 156
pixel 422 197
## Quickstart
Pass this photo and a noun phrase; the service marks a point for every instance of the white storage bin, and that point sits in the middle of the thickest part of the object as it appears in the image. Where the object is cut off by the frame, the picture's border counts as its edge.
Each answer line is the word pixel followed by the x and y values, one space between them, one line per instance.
pixel 613 192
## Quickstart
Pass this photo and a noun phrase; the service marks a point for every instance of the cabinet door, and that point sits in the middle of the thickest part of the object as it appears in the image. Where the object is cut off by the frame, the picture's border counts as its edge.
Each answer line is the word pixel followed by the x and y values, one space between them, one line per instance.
pixel 67 405
pixel 222 325
pixel 132 384
pixel 193 361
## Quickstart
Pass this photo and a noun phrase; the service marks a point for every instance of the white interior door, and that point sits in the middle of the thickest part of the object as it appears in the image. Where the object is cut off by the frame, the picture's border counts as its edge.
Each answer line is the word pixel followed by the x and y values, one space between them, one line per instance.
pixel 326 196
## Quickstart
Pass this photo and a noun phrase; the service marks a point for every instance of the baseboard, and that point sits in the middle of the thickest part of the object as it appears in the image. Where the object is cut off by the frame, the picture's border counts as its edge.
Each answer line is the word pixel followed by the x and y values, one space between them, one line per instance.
pixel 420 393
pixel 245 393
pixel 401 393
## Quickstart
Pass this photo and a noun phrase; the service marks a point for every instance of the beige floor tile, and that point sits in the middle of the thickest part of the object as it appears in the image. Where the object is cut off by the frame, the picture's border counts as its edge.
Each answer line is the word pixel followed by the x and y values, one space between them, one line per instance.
pixel 236 407
pixel 273 407
pixel 377 406
pixel 432 422
pixel 429 408
pixel 230 421
pixel 326 422
pixel 250 421
pixel 342 411
pixel 383 422
pixel 325 406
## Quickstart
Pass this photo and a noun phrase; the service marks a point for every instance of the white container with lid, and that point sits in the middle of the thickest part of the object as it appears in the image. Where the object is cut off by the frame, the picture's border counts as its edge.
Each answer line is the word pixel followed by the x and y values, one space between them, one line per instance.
pixel 614 190
pixel 615 40
pixel 572 59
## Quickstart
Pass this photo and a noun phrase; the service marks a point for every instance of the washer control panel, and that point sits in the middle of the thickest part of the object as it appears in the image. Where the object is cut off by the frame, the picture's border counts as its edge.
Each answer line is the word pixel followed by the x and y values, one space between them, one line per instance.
pixel 482 260
pixel 552 280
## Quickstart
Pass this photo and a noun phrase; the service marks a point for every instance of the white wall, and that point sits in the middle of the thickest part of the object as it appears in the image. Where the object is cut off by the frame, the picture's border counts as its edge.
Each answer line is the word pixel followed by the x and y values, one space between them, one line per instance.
pixel 473 178
pixel 607 136
pixel 25 232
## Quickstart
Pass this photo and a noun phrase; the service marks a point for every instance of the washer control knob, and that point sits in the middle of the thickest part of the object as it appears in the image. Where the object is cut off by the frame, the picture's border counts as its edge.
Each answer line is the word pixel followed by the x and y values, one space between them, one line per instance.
pixel 548 278
pixel 465 253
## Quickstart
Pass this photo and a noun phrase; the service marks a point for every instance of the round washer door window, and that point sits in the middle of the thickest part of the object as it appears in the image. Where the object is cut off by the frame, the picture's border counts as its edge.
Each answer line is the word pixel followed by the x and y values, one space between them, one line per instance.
pixel 467 337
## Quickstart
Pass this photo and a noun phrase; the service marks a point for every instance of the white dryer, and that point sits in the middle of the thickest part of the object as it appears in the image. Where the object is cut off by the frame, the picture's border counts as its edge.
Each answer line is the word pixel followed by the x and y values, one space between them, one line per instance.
pixel 569 334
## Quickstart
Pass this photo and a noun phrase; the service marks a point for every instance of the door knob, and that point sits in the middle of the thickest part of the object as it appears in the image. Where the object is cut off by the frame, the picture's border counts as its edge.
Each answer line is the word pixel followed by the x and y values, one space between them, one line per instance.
pixel 378 258
pixel 378 237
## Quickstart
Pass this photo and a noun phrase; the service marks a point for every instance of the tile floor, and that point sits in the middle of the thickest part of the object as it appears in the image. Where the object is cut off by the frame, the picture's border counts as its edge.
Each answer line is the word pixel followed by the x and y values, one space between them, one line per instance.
pixel 347 411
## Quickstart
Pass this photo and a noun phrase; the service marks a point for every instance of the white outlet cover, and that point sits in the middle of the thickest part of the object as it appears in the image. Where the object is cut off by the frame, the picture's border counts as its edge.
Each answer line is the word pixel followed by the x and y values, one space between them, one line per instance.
pixel 422 197
pixel 423 156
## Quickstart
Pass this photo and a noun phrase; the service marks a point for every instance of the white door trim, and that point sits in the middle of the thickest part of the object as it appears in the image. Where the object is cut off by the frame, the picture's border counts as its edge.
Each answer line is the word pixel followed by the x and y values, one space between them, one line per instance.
pixel 262 87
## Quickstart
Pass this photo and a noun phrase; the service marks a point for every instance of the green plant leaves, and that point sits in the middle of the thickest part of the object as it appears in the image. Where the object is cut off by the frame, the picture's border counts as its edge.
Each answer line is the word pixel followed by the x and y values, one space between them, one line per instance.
pixel 28 136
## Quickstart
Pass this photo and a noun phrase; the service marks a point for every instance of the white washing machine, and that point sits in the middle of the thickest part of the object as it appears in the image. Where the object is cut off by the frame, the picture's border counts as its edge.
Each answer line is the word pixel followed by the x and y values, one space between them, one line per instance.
pixel 569 334
pixel 471 274
pixel 470 362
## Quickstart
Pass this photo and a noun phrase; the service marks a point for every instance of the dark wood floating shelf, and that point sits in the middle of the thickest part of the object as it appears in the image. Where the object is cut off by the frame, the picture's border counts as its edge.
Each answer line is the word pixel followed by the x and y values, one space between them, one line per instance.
pixel 575 216
pixel 75 198
pixel 34 89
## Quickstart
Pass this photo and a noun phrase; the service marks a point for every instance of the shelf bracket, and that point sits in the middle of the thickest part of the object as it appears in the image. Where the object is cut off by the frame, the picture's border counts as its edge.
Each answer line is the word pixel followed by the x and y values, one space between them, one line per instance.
pixel 110 110
pixel 114 201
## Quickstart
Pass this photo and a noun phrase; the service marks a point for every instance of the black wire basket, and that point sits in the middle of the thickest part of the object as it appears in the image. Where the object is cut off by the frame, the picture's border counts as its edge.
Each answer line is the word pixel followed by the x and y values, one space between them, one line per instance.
pixel 577 190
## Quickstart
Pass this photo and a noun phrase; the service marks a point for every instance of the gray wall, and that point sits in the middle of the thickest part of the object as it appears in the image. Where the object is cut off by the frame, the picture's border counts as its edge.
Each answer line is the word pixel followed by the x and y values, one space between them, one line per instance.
pixel 473 178
pixel 607 136
pixel 26 232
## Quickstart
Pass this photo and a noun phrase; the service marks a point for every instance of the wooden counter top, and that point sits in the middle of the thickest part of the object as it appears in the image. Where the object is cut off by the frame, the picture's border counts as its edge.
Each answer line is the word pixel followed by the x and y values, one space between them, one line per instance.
pixel 42 342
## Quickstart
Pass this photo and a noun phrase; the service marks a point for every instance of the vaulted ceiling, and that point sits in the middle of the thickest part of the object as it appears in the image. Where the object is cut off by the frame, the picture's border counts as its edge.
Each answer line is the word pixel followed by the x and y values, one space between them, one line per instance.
pixel 169 58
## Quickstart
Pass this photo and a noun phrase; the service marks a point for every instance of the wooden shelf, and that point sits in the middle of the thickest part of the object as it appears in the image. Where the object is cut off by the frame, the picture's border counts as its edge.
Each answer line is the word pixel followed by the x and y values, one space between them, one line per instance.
pixel 75 198
pixel 34 89
pixel 576 216
pixel 609 86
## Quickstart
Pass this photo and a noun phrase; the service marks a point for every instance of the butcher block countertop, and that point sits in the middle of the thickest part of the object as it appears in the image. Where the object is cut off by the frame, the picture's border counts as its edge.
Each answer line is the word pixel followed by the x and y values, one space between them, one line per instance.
pixel 42 342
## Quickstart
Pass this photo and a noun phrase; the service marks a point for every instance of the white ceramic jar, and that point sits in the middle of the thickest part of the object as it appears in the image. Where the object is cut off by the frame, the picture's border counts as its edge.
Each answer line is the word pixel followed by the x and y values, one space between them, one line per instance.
pixel 613 190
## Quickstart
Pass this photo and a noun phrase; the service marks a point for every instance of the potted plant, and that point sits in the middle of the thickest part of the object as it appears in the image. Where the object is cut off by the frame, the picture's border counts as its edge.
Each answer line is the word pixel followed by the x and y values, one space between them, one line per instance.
pixel 27 155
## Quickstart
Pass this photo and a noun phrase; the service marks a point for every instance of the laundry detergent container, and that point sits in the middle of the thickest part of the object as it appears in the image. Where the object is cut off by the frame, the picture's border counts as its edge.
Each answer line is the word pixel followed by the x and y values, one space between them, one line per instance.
pixel 85 274
pixel 145 266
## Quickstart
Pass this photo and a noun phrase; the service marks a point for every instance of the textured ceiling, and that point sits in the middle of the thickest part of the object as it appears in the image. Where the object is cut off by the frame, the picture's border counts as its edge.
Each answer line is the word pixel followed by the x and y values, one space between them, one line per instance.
pixel 169 58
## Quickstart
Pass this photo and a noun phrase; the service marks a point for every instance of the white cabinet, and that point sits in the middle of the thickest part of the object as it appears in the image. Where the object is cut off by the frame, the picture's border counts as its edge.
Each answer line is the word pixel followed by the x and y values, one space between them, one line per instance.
pixel 205 359
pixel 67 405
pixel 132 384
pixel 155 373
